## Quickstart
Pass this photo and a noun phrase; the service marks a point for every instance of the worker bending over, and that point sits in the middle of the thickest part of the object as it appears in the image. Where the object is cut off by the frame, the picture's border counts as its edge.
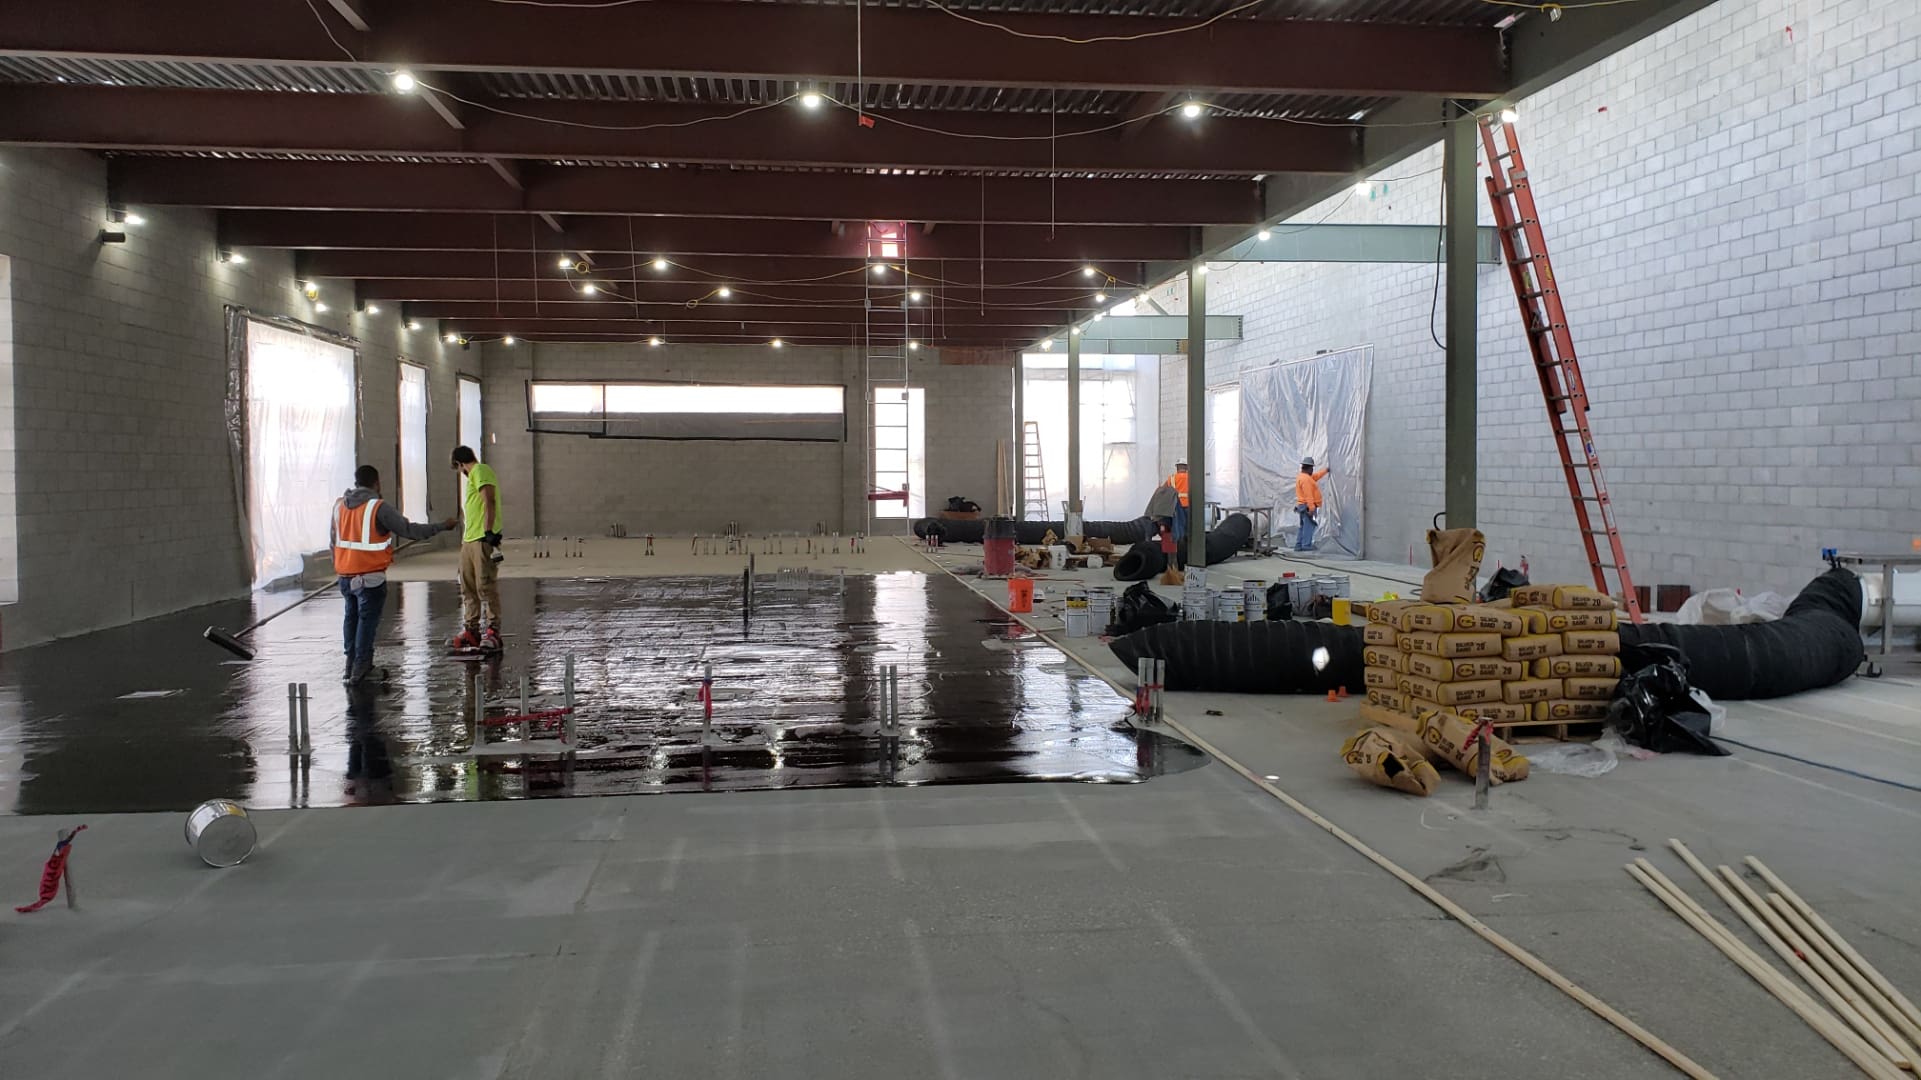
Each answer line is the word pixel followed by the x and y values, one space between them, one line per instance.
pixel 1307 503
pixel 1178 482
pixel 479 545
pixel 362 538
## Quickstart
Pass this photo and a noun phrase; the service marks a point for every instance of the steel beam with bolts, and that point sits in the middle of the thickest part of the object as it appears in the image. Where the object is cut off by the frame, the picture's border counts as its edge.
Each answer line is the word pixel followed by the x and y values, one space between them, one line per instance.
pixel 959 279
pixel 1032 322
pixel 900 45
pixel 253 122
pixel 340 230
pixel 679 192
pixel 566 294
pixel 721 333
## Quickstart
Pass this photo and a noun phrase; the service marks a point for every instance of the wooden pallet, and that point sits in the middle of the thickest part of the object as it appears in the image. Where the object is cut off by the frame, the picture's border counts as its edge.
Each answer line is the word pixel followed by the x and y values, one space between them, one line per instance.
pixel 1550 730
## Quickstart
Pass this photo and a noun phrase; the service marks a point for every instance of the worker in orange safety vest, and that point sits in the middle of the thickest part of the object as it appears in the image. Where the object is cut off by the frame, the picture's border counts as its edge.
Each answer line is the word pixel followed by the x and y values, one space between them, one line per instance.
pixel 1178 482
pixel 1307 503
pixel 362 538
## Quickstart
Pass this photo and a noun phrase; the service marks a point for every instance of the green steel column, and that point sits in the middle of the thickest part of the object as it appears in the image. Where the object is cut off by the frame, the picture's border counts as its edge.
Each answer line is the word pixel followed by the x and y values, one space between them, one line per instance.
pixel 1073 424
pixel 1460 199
pixel 1197 414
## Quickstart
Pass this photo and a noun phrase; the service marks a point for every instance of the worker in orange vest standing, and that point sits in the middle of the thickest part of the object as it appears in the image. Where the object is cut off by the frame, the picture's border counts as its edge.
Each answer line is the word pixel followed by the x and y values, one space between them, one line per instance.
pixel 362 537
pixel 1178 482
pixel 1307 503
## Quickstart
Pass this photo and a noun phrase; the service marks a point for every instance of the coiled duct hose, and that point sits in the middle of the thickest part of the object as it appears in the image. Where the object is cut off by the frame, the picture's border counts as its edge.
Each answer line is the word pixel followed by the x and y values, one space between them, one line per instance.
pixel 1249 658
pixel 1146 560
pixel 1816 644
pixel 1033 532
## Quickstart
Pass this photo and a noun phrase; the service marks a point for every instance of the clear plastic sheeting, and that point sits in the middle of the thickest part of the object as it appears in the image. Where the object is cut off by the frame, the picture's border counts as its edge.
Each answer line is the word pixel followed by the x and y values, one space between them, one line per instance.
pixel 294 416
pixel 1728 607
pixel 1298 409
pixel 1572 758
pixel 413 442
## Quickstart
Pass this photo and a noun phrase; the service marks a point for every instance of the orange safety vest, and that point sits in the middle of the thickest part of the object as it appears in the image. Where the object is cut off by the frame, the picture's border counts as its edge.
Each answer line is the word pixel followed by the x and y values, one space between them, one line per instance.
pixel 1307 489
pixel 361 546
pixel 1178 482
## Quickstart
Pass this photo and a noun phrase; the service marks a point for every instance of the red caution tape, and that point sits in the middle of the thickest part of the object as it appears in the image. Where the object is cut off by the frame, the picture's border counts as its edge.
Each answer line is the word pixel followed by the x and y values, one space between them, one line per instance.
pixel 50 877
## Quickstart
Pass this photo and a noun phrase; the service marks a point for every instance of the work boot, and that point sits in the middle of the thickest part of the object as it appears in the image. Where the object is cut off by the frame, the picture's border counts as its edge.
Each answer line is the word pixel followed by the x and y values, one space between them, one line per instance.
pixel 490 640
pixel 366 674
pixel 464 640
pixel 347 673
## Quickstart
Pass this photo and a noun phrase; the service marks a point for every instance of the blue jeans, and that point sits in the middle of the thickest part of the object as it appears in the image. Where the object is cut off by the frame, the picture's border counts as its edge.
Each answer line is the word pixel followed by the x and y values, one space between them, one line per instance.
pixel 362 622
pixel 1305 540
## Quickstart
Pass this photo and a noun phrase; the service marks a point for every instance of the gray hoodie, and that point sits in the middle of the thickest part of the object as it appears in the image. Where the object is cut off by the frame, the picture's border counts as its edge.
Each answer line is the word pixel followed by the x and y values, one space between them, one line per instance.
pixel 388 518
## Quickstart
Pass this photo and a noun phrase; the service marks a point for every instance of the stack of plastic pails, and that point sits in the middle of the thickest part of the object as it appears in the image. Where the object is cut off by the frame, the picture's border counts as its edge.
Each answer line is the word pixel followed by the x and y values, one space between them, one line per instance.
pixel 1254 599
pixel 998 537
pixel 1076 618
pixel 1100 607
pixel 1196 606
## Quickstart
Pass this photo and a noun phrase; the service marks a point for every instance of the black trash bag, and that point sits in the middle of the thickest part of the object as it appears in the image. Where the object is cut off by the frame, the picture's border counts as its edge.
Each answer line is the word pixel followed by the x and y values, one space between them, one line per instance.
pixel 961 505
pixel 1139 608
pixel 1502 584
pixel 932 529
pixel 1652 707
pixel 1280 601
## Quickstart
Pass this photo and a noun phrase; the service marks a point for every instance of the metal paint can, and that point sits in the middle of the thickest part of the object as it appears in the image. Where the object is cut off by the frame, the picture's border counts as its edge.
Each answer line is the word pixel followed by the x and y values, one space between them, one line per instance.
pixel 1254 599
pixel 1228 607
pixel 1076 617
pixel 1100 608
pixel 220 832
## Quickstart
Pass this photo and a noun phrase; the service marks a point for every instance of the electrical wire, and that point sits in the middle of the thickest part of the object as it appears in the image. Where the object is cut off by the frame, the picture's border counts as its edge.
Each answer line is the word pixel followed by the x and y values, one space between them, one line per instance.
pixel 1817 764
pixel 1185 28
pixel 330 32
pixel 1434 303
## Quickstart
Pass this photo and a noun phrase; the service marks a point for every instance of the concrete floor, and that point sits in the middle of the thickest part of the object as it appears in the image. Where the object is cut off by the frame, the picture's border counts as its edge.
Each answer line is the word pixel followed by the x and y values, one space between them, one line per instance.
pixel 1190 926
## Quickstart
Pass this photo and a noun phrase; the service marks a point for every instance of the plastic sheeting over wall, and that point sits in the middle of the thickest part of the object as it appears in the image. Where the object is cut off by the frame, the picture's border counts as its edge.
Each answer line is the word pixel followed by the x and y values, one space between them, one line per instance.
pixel 413 442
pixel 1316 408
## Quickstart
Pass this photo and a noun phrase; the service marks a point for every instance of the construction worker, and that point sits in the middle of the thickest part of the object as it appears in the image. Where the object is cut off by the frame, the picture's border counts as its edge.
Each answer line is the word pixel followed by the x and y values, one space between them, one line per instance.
pixel 1178 482
pixel 479 546
pixel 1307 503
pixel 362 538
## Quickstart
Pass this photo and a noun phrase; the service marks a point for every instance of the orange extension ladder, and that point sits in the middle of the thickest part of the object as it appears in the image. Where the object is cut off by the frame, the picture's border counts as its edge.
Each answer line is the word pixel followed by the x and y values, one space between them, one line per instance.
pixel 1524 249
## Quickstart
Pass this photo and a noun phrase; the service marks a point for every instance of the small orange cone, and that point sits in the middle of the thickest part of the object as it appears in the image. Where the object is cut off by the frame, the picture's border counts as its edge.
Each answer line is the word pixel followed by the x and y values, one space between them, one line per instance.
pixel 1343 692
pixel 1331 697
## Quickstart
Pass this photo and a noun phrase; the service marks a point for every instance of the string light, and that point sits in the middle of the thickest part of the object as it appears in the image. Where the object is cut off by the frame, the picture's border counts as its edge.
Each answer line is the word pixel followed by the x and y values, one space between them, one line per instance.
pixel 880 269
pixel 233 257
pixel 508 340
pixel 133 219
pixel 1088 271
pixel 914 297
pixel 1201 270
pixel 810 99
pixel 450 339
pixel 404 81
pixel 913 346
pixel 1265 234
pixel 653 342
pixel 413 324
pixel 1046 344
pixel 1508 116
pixel 723 292
pixel 660 263
pixel 1193 110
pixel 318 306
pixel 777 343
pixel 373 309
pixel 1100 298
pixel 590 288
pixel 1363 188
pixel 566 263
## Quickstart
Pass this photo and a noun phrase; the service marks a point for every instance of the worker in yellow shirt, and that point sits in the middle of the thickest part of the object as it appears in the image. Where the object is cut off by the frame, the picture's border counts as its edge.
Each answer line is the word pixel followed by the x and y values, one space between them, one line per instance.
pixel 1178 482
pixel 479 555
pixel 1307 503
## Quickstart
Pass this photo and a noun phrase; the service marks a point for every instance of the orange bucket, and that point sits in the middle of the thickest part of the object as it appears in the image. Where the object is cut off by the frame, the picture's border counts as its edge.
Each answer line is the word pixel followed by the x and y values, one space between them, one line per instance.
pixel 1020 595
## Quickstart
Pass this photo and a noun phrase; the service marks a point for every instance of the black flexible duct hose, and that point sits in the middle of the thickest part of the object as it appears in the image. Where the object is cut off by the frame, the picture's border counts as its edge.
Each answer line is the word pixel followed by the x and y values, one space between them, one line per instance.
pixel 1816 644
pixel 1145 560
pixel 1033 532
pixel 1249 658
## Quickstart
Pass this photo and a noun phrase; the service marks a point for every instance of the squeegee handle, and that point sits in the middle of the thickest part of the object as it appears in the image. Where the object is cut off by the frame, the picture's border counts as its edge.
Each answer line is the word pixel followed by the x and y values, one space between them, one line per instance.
pixel 328 587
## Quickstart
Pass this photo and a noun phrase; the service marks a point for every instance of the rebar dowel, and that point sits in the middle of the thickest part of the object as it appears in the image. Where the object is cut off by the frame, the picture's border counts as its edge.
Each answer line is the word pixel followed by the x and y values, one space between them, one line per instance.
pixel 306 742
pixel 1484 760
pixel 526 726
pixel 293 719
pixel 480 712
pixel 62 836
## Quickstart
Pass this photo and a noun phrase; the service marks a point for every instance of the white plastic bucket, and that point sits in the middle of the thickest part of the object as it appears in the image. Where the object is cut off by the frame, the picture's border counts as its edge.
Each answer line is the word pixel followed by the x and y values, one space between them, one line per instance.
pixel 220 832
pixel 1076 617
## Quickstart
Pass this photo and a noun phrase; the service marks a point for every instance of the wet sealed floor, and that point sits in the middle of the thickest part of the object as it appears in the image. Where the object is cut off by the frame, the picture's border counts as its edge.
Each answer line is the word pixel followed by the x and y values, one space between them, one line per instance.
pixel 152 717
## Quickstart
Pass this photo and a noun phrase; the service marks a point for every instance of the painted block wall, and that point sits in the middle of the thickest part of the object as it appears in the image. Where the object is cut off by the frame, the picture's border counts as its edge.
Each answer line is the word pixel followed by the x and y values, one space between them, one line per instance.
pixel 575 485
pixel 124 485
pixel 1731 207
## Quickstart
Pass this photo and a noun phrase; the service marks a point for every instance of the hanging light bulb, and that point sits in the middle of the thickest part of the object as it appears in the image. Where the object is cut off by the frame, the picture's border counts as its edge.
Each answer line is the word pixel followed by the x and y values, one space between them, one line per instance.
pixel 1193 110
pixel 450 339
pixel 1264 234
pixel 810 99
pixel 566 263
pixel 723 292
pixel 404 81
pixel 1100 298
pixel 654 342
pixel 413 324
pixel 1046 344
pixel 914 297
pixel 777 343
pixel 913 346
pixel 373 309
pixel 590 288
pixel 1088 271
pixel 1509 116
pixel 660 262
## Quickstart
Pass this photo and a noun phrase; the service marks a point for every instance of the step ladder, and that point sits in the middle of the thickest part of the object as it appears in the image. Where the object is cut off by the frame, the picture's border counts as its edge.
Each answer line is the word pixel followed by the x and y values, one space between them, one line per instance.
pixel 884 341
pixel 1033 479
pixel 1524 250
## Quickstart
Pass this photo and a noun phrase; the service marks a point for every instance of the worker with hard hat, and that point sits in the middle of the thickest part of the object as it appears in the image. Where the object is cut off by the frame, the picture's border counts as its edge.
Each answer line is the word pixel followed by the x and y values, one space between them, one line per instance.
pixel 1307 503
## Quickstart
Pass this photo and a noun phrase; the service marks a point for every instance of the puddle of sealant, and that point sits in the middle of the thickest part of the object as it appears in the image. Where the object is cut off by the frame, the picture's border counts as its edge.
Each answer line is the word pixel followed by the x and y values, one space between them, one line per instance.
pixel 797 701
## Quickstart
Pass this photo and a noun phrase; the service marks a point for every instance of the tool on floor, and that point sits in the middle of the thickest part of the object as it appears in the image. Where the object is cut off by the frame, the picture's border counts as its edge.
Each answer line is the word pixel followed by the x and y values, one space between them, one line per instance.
pixel 231 641
pixel 1482 737
pixel 57 871
pixel 1544 319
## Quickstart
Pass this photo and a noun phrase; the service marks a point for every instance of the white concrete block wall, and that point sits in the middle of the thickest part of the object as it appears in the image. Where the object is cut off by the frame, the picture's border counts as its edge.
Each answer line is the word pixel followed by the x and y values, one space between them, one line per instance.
pixel 576 485
pixel 125 487
pixel 1730 207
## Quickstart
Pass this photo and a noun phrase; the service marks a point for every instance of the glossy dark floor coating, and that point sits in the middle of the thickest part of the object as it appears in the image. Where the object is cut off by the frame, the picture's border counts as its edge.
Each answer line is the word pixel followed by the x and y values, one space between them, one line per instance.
pixel 797 690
